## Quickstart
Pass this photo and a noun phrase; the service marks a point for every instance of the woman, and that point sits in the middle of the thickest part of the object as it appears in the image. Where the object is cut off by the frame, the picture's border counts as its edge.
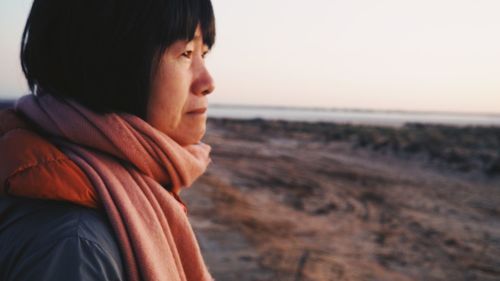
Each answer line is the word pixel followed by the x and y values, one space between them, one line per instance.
pixel 93 161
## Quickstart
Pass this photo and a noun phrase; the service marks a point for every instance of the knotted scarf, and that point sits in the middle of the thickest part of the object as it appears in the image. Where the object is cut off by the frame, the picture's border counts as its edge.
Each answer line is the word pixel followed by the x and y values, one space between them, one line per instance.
pixel 129 164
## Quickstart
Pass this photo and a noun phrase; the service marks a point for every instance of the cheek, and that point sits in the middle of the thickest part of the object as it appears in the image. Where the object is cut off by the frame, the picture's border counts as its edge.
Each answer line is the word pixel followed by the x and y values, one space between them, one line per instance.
pixel 170 91
pixel 191 129
pixel 171 102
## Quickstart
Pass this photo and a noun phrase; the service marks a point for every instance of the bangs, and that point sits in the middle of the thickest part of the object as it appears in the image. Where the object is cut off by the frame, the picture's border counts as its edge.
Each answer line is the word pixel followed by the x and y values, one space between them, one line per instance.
pixel 181 17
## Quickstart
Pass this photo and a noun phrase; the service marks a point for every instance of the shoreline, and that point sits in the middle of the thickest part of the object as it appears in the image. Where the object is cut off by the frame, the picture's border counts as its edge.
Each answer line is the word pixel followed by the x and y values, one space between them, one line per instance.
pixel 469 149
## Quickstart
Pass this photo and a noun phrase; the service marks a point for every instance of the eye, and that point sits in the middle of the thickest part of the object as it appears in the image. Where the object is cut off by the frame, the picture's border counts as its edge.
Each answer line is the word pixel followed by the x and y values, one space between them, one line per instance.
pixel 205 53
pixel 188 54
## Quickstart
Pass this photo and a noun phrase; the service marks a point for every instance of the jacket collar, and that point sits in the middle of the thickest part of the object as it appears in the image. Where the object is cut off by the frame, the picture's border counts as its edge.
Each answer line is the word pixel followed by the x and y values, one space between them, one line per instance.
pixel 32 167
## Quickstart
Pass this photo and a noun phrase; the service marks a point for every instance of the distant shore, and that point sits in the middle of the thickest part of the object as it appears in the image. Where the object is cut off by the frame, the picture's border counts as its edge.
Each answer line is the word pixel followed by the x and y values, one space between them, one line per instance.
pixel 361 110
pixel 469 149
pixel 391 118
pixel 6 103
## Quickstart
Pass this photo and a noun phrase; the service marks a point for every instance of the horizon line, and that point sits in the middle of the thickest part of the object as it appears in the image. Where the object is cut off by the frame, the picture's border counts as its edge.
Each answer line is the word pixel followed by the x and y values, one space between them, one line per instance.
pixel 345 109
pixel 354 109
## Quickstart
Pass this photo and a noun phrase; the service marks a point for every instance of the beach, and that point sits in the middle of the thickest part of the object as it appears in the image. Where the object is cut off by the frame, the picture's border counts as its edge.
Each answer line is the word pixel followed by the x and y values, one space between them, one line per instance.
pixel 296 200
pixel 321 201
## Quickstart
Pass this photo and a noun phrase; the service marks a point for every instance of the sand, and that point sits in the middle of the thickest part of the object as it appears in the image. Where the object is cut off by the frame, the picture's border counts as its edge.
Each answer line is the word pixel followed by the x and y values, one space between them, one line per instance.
pixel 280 206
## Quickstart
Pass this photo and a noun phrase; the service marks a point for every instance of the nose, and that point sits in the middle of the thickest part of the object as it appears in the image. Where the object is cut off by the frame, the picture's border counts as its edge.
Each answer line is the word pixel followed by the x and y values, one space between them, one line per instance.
pixel 204 83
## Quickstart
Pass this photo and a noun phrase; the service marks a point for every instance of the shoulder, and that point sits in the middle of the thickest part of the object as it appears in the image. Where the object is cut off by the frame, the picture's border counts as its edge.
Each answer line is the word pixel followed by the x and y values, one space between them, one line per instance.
pixel 49 240
pixel 29 162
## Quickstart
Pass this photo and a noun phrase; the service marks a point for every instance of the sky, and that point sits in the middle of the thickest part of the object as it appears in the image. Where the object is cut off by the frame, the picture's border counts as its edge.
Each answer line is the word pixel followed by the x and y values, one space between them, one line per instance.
pixel 423 55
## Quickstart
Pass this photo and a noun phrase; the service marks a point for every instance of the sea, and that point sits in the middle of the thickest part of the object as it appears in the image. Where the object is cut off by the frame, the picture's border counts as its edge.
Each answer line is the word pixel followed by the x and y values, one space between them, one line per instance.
pixel 353 116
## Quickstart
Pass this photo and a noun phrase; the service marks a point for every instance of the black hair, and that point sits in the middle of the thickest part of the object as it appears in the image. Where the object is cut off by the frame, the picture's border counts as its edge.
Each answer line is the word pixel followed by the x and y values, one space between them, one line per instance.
pixel 102 53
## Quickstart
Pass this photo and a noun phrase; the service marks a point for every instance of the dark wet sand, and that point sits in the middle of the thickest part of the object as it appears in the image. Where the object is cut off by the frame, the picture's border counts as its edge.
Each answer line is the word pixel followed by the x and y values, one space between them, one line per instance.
pixel 285 204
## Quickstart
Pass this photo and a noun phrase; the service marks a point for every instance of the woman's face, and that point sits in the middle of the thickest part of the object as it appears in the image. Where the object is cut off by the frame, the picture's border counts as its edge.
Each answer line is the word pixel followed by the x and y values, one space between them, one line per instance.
pixel 178 101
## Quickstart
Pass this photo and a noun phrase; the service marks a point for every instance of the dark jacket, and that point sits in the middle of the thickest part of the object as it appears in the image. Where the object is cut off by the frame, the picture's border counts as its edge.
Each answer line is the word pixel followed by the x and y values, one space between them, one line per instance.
pixel 50 240
pixel 42 239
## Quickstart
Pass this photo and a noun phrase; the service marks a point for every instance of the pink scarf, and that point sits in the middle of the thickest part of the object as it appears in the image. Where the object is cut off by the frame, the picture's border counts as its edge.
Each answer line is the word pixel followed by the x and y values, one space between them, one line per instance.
pixel 127 162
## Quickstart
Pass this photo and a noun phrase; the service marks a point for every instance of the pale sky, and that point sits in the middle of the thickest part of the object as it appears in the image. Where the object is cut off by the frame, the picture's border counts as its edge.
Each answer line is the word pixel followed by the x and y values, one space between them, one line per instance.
pixel 441 55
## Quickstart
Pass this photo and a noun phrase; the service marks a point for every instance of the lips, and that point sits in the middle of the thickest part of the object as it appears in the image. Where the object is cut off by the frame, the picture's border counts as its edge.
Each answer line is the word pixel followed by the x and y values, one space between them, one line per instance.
pixel 198 110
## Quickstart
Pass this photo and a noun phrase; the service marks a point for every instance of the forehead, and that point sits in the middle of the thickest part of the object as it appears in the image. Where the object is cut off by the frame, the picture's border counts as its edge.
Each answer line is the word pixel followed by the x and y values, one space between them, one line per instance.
pixel 198 36
pixel 197 32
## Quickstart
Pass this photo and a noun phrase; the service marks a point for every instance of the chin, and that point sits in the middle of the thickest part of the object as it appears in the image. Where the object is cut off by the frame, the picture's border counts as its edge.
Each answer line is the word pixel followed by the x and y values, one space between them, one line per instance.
pixel 192 137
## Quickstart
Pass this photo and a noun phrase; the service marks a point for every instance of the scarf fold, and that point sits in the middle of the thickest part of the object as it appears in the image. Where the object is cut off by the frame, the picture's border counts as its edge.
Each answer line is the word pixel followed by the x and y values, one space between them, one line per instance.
pixel 128 163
